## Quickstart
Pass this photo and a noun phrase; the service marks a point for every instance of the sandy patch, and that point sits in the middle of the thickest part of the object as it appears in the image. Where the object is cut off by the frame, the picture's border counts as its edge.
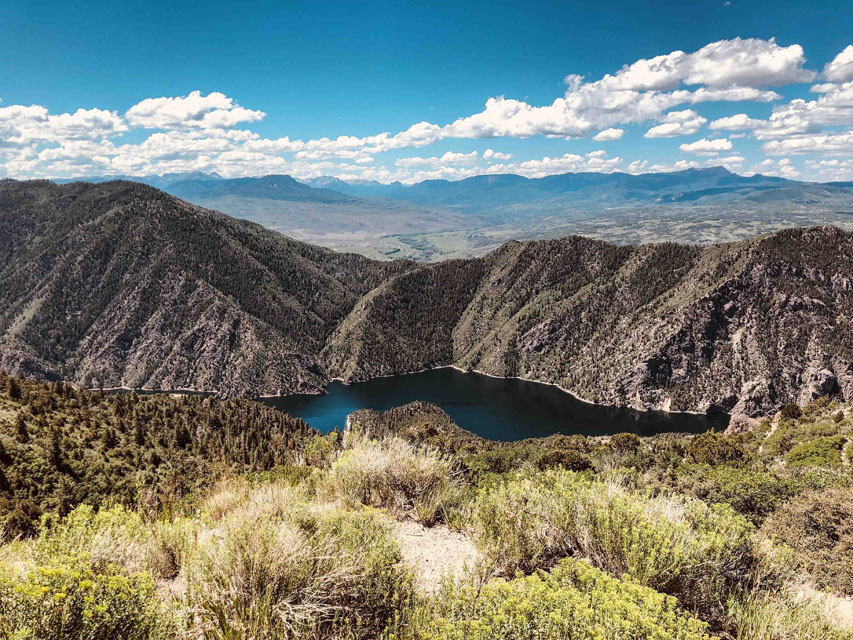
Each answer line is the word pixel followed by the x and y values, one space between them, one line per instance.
pixel 434 552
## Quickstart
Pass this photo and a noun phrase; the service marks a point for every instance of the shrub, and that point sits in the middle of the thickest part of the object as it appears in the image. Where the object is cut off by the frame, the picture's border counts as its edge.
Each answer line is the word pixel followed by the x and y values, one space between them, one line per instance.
pixel 753 493
pixel 338 572
pixel 819 527
pixel 715 448
pixel 563 458
pixel 762 615
pixel 63 601
pixel 679 546
pixel 393 474
pixel 820 452
pixel 791 412
pixel 573 601
pixel 625 443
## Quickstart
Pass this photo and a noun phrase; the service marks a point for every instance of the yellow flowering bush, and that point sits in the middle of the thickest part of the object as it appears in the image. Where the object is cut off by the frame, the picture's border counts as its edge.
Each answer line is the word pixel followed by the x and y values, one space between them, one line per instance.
pixel 63 602
pixel 573 602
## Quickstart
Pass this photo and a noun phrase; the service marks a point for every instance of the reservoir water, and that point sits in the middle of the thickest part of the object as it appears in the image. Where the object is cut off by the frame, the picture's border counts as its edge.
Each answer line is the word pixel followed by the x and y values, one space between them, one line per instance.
pixel 495 408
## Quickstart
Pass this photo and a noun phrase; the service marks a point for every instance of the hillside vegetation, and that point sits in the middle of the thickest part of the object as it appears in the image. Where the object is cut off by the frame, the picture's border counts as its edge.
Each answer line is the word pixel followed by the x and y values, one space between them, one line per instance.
pixel 166 295
pixel 294 534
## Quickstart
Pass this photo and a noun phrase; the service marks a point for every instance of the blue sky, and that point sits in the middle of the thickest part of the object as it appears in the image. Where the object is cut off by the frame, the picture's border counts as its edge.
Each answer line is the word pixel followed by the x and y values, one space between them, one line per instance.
pixel 256 87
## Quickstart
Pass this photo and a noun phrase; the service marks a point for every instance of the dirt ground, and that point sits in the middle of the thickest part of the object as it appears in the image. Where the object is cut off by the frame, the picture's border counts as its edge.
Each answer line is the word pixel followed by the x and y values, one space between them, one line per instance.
pixel 434 552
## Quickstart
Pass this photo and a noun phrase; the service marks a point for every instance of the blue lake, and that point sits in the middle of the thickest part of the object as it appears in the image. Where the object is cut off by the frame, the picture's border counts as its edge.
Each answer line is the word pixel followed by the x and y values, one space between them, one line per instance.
pixel 494 408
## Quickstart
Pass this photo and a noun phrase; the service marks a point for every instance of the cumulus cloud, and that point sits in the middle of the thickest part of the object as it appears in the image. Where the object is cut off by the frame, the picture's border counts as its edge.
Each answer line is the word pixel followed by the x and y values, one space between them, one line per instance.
pixel 840 68
pixel 213 111
pixel 737 122
pixel 739 62
pixel 567 163
pixel 449 158
pixel 644 166
pixel 828 143
pixel 706 147
pixel 608 135
pixel 491 154
pixel 210 132
pixel 677 123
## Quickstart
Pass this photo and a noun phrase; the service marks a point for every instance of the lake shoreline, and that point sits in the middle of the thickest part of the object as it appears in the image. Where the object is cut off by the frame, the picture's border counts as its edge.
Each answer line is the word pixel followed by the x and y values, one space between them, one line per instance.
pixel 324 390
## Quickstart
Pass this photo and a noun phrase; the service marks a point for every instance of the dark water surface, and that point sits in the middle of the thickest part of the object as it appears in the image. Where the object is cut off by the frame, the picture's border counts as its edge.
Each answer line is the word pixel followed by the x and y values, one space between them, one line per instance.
pixel 494 408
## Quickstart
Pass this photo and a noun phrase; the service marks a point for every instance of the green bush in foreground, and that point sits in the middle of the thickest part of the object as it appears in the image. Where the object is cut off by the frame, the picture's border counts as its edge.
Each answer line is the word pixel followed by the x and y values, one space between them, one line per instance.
pixel 572 602
pixel 66 602
pixel 393 474
pixel 679 546
pixel 285 571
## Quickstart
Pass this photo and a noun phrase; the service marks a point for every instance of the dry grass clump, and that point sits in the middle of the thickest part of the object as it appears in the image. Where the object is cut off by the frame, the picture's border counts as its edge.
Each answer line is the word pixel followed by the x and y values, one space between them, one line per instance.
pixel 316 576
pixel 783 615
pixel 391 473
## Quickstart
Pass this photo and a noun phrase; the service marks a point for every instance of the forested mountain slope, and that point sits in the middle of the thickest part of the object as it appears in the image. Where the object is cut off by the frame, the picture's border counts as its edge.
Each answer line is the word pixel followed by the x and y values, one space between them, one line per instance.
pixel 120 284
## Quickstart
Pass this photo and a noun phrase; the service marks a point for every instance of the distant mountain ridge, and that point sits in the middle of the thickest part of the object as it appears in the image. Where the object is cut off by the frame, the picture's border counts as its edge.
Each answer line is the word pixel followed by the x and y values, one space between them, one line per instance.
pixel 119 284
pixel 478 193
pixel 272 187
pixel 715 184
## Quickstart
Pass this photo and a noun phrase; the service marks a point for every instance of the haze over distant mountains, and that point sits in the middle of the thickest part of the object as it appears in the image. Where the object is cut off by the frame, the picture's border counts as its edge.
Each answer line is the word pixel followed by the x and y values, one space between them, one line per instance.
pixel 440 218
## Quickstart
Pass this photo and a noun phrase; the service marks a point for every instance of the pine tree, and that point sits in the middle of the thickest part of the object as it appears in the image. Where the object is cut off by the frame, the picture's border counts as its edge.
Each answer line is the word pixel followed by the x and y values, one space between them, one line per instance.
pixel 13 388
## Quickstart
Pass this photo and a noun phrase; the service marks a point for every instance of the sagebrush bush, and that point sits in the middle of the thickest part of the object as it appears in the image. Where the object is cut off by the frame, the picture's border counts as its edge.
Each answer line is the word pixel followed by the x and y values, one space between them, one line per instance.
pixel 573 601
pixel 89 576
pixel 818 525
pixel 676 545
pixel 824 451
pixel 715 448
pixel 393 474
pixel 764 615
pixel 335 573
pixel 754 493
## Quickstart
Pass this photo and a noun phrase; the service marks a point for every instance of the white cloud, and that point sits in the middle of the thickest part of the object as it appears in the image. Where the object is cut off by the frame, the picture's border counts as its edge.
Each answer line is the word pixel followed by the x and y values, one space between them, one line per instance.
pixel 449 158
pixel 567 163
pixel 200 131
pixel 608 135
pixel 644 166
pixel 20 125
pixel 840 68
pixel 677 123
pixel 738 62
pixel 737 122
pixel 491 154
pixel 828 143
pixel 213 111
pixel 706 147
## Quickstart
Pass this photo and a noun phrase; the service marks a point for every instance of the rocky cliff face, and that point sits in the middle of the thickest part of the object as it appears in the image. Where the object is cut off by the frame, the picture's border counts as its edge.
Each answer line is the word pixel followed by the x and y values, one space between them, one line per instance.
pixel 744 327
pixel 118 284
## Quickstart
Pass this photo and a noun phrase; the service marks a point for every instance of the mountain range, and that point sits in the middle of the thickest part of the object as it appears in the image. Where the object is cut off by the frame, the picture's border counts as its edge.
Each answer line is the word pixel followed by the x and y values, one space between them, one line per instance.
pixel 119 284
pixel 439 219
pixel 478 193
